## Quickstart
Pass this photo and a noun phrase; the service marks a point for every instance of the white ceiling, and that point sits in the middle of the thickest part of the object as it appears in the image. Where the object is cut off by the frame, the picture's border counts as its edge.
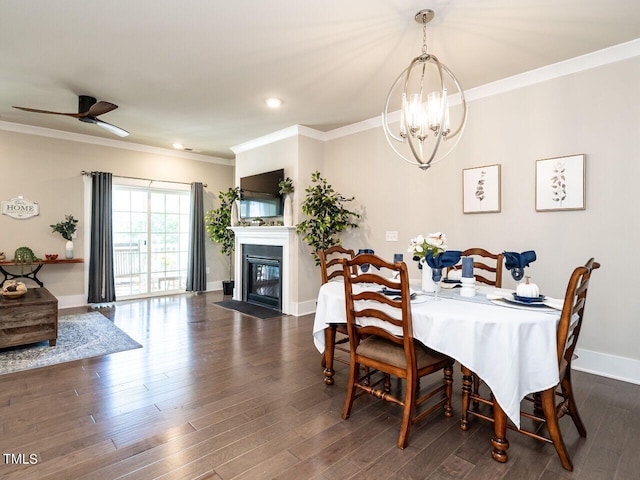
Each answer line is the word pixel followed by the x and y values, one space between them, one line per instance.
pixel 197 71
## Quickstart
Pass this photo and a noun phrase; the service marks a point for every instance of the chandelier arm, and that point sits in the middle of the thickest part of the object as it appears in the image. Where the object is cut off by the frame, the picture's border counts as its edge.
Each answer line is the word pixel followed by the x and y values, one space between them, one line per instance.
pixel 385 112
pixel 412 162
pixel 463 122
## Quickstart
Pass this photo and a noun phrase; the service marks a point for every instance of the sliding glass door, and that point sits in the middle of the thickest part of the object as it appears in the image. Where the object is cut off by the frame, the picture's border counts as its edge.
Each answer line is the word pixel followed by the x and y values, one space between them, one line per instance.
pixel 150 240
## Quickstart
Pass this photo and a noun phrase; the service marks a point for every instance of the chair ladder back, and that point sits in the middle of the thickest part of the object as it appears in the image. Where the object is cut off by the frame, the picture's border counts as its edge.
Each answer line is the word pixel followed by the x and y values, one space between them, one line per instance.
pixel 373 303
pixel 575 300
pixel 330 266
pixel 496 269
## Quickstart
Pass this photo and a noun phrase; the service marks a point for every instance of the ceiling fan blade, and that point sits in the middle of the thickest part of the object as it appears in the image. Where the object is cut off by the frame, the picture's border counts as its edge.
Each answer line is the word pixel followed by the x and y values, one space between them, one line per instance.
pixel 77 115
pixel 100 108
pixel 111 128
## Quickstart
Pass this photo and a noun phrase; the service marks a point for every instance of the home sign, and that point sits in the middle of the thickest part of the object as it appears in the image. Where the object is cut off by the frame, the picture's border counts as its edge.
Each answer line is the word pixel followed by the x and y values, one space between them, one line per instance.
pixel 20 208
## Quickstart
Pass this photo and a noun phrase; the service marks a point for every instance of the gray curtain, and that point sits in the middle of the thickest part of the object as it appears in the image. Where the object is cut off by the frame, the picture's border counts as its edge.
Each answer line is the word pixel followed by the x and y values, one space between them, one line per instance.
pixel 101 281
pixel 197 267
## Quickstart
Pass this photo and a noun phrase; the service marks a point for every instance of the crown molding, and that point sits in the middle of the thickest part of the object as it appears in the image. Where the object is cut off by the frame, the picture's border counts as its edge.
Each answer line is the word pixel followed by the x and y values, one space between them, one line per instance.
pixel 617 53
pixel 588 61
pixel 107 142
pixel 292 131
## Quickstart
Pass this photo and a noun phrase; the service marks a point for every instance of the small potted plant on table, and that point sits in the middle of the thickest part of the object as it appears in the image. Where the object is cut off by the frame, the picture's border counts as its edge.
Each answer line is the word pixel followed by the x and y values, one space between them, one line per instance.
pixel 67 228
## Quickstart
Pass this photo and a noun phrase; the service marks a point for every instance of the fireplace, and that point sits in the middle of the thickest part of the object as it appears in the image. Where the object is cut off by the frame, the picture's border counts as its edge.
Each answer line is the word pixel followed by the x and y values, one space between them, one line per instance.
pixel 261 275
pixel 276 236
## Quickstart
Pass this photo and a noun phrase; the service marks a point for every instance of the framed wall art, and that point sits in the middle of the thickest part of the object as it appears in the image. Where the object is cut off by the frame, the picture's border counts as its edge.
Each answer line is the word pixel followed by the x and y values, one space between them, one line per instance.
pixel 481 189
pixel 560 183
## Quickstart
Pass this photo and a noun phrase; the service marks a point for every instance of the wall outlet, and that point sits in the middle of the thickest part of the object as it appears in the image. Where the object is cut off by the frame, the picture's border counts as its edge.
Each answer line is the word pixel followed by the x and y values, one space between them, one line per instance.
pixel 208 271
pixel 391 236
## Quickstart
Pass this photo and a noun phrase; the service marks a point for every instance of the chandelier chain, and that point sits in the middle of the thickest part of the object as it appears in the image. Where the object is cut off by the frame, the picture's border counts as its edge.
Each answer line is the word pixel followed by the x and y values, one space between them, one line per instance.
pixel 424 34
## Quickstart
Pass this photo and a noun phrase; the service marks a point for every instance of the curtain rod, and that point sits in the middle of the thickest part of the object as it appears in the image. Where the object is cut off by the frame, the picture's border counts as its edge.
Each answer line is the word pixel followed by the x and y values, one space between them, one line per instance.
pixel 84 172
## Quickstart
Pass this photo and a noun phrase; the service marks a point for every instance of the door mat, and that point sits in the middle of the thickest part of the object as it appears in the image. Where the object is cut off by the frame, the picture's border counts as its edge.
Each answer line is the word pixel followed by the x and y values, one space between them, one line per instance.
pixel 249 309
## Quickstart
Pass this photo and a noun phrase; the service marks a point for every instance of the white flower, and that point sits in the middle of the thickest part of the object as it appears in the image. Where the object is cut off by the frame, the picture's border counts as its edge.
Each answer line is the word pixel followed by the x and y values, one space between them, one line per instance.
pixel 435 243
pixel 437 239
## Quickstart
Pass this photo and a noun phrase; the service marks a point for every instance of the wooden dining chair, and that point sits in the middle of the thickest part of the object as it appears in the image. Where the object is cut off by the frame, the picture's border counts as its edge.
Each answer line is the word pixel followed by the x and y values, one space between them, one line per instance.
pixel 487 266
pixel 487 269
pixel 387 345
pixel 545 408
pixel 330 269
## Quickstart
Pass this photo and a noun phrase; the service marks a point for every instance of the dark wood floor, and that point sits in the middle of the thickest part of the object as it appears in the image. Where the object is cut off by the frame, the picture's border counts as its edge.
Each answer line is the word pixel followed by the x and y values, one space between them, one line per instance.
pixel 218 395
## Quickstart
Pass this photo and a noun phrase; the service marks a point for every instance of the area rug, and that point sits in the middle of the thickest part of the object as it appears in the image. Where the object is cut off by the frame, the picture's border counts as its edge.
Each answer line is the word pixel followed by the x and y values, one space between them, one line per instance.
pixel 79 336
pixel 249 309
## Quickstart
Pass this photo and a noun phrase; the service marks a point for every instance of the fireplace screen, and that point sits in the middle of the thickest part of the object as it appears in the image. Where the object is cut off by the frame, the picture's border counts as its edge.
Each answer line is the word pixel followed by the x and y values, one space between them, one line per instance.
pixel 261 280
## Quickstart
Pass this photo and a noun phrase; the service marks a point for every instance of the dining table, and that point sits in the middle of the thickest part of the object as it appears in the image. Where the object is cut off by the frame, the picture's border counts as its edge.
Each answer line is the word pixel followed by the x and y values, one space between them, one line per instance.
pixel 510 345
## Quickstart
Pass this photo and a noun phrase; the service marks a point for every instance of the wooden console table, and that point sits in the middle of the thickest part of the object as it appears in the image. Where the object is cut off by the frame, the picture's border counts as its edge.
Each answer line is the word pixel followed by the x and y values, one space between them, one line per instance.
pixel 29 319
pixel 32 274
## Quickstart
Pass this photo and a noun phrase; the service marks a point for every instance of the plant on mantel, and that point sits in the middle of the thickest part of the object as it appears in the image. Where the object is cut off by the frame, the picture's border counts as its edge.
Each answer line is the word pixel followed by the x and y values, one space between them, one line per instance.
pixel 327 216
pixel 217 222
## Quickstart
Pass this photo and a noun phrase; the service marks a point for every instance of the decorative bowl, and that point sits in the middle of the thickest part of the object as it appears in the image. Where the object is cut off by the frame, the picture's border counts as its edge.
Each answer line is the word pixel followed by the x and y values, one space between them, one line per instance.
pixel 51 256
pixel 13 289
pixel 16 294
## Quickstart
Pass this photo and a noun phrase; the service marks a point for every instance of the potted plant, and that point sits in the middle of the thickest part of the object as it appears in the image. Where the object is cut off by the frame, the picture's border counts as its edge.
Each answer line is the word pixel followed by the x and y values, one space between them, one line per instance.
pixel 67 228
pixel 286 189
pixel 217 223
pixel 327 216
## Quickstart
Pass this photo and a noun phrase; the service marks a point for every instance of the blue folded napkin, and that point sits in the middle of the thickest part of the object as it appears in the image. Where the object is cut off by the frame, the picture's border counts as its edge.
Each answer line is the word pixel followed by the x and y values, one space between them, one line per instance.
pixel 516 262
pixel 445 259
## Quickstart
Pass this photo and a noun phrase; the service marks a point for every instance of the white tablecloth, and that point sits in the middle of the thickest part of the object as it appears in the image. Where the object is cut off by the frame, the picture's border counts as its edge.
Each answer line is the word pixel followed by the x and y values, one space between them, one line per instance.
pixel 512 350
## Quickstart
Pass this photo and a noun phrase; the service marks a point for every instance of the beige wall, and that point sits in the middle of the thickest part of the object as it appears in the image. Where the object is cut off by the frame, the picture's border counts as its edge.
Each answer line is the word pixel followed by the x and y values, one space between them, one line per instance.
pixel 47 171
pixel 595 112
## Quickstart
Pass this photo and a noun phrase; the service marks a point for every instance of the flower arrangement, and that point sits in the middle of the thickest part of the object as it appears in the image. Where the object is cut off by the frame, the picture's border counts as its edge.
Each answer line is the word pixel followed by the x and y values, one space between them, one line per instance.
pixel 434 243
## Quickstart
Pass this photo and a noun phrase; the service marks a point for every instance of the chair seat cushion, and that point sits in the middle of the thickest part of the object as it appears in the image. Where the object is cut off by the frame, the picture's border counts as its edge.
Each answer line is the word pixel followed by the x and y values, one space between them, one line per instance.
pixel 386 351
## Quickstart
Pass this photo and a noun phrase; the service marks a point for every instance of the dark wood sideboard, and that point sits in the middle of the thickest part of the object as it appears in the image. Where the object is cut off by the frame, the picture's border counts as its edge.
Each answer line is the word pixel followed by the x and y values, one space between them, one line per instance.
pixel 29 319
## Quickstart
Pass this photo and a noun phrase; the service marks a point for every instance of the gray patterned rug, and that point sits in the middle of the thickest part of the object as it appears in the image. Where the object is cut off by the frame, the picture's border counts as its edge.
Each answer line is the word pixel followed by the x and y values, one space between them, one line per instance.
pixel 79 336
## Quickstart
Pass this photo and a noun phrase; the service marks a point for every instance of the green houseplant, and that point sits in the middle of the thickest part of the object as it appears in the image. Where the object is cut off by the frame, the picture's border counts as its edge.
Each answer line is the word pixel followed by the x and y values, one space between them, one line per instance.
pixel 67 228
pixel 217 222
pixel 286 189
pixel 327 216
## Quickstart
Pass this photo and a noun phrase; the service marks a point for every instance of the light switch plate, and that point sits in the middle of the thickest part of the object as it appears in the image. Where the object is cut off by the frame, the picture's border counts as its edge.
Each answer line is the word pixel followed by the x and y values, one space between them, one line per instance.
pixel 391 236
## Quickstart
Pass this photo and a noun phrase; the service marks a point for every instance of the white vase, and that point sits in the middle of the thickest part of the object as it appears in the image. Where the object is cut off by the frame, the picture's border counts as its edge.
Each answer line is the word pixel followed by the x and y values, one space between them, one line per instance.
pixel 68 249
pixel 234 214
pixel 288 211
pixel 428 285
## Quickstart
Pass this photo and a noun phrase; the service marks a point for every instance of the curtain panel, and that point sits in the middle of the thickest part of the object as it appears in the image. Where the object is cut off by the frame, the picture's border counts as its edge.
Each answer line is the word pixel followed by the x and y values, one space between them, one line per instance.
pixel 101 278
pixel 197 266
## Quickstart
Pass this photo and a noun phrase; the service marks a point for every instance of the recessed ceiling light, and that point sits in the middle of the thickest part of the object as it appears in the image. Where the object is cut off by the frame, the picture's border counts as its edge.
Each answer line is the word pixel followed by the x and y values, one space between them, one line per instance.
pixel 178 146
pixel 273 102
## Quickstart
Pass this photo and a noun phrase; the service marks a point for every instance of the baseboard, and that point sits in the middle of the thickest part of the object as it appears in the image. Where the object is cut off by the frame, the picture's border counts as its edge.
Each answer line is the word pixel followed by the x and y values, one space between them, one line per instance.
pixel 69 301
pixel 605 365
pixel 304 308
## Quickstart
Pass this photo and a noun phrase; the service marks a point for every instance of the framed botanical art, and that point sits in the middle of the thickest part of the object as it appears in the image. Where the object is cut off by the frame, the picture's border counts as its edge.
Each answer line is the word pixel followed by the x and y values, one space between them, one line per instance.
pixel 481 189
pixel 560 183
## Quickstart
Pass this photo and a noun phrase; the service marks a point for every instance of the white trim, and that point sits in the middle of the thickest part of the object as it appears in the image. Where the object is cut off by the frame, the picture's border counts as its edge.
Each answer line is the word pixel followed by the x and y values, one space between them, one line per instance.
pixel 292 131
pixel 278 236
pixel 107 142
pixel 606 365
pixel 588 61
pixel 304 308
pixel 69 301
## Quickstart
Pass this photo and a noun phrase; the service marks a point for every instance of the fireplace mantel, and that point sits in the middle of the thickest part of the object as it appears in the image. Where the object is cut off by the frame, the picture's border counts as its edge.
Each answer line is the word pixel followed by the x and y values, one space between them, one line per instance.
pixel 279 236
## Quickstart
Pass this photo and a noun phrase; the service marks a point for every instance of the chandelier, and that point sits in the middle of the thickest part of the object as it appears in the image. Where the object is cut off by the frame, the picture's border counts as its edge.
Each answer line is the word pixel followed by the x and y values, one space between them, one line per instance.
pixel 431 101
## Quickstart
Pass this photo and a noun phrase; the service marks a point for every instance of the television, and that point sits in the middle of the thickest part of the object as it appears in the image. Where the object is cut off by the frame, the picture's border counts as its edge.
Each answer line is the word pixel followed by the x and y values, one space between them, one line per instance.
pixel 260 195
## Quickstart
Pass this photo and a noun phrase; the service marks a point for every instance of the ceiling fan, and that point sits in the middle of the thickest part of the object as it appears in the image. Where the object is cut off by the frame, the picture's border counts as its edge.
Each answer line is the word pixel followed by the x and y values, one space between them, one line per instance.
pixel 88 111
